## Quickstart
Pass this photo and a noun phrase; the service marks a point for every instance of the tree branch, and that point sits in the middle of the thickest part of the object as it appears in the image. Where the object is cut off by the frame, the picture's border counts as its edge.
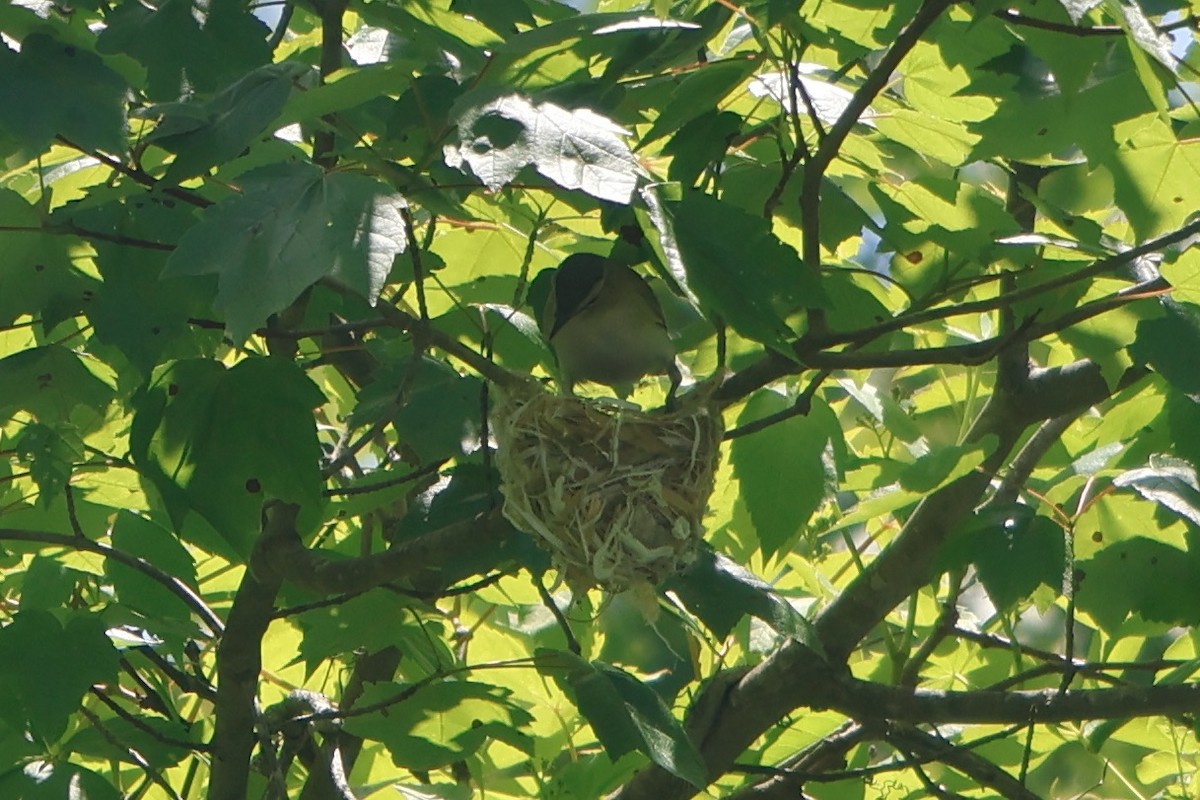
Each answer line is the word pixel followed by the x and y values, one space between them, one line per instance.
pixel 375 667
pixel 831 144
pixel 239 663
pixel 170 582
pixel 286 557
pixel 807 352
pixel 864 700
pixel 134 756
pixel 1016 18
pixel 961 758
pixel 795 675
pixel 138 175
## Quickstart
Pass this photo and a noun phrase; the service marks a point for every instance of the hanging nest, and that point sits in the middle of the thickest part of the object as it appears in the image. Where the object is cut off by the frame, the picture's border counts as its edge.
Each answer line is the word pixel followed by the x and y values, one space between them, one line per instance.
pixel 616 496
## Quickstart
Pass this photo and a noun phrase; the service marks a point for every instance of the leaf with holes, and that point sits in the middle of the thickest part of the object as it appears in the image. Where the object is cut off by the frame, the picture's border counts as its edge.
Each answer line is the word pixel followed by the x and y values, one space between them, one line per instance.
pixel 577 149
pixel 219 442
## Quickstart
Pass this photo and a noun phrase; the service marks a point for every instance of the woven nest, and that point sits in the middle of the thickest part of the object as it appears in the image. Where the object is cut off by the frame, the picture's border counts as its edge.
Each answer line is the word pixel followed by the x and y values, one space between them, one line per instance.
pixel 616 496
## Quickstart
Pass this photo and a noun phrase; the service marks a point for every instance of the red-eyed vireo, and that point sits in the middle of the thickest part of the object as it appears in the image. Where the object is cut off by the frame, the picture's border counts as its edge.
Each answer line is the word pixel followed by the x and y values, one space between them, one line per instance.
pixel 605 325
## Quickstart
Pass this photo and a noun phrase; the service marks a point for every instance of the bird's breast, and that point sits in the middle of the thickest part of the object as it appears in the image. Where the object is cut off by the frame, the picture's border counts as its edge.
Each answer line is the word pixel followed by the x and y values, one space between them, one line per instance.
pixel 608 345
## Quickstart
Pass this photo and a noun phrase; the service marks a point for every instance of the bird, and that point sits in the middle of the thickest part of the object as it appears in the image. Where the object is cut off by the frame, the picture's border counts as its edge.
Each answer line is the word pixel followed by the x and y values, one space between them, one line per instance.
pixel 605 325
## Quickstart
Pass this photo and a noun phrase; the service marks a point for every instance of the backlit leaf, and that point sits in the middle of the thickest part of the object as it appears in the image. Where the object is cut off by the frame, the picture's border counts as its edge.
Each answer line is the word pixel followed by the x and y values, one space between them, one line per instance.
pixel 39 91
pixel 577 149
pixel 291 226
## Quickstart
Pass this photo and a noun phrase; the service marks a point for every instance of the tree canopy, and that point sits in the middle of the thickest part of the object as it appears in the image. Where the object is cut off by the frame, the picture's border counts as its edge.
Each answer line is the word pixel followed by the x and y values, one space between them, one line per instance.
pixel 264 268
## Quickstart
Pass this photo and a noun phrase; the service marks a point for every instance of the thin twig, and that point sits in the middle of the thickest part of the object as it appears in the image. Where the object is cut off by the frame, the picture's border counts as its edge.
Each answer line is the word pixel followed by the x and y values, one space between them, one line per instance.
pixel 138 175
pixel 799 408
pixel 173 584
pixel 420 472
pixel 141 725
pixel 84 233
pixel 285 19
pixel 548 601
pixel 133 755
pixel 1017 18
pixel 72 514
pixel 1100 267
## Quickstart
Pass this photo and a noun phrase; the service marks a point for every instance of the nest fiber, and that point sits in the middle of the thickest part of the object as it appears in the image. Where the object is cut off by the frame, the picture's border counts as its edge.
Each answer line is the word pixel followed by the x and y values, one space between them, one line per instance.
pixel 615 495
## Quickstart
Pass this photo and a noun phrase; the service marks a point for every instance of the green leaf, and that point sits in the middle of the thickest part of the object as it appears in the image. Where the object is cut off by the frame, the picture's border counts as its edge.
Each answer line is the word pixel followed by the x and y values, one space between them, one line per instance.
pixel 338 630
pixel 50 453
pixel 962 218
pixel 1141 576
pixel 222 441
pixel 1142 33
pixel 426 33
pixel 436 725
pixel 785 460
pixel 205 134
pixel 1170 482
pixel 46 668
pixel 884 408
pixel 741 270
pixel 56 89
pixel 878 505
pixel 143 316
pixel 440 417
pixel 626 714
pixel 1169 343
pixel 567 31
pixel 1156 175
pixel 140 537
pixel 54 780
pixel 944 140
pixel 1184 275
pixel 47 585
pixel 348 88
pixel 416 127
pixel 577 149
pixel 50 383
pixel 291 226
pixel 700 142
pixel 37 276
pixel 941 466
pixel 1016 556
pixel 502 16
pixel 470 492
pixel 697 95
pixel 185 45
pixel 721 592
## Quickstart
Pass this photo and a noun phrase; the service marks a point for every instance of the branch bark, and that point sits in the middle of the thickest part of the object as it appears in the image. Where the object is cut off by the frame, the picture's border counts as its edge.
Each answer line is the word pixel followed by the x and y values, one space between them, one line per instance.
pixel 865 700
pixel 739 710
pixel 239 662
pixel 416 561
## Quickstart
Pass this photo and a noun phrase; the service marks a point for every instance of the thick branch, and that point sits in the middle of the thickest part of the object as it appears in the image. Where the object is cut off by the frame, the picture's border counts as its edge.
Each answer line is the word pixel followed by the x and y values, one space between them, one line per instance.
pixel 322 782
pixel 864 700
pixel 239 662
pixel 1049 393
pixel 795 675
pixel 286 557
